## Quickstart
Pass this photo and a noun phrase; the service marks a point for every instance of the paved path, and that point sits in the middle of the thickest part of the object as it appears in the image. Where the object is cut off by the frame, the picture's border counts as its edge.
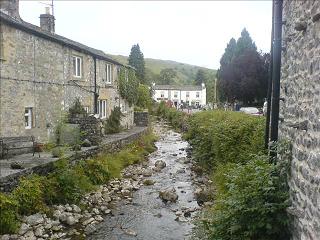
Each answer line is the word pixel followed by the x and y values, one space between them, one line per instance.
pixel 28 161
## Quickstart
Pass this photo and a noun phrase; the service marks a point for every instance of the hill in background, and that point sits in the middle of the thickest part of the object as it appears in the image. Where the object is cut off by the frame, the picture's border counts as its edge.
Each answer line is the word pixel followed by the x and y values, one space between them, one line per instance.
pixel 186 73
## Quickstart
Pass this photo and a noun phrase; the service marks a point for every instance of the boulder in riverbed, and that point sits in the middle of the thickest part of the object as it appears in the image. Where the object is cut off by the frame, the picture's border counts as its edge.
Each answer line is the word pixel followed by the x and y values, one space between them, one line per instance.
pixel 168 195
pixel 160 164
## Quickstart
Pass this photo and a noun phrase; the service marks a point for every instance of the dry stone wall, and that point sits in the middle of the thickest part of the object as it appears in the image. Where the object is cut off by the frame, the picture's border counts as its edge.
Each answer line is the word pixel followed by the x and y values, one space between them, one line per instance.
pixel 300 110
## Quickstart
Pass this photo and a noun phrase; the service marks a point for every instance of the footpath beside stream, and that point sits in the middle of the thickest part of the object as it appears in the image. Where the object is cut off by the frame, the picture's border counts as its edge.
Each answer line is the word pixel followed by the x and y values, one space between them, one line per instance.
pixel 145 215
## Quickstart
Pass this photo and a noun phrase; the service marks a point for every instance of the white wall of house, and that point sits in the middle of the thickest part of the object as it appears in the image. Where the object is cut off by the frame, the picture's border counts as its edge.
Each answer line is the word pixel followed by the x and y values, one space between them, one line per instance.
pixel 179 95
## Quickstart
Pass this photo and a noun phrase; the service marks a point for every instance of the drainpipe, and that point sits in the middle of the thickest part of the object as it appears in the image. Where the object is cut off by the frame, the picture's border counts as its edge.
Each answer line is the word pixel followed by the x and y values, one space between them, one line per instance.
pixel 276 68
pixel 95 95
pixel 267 130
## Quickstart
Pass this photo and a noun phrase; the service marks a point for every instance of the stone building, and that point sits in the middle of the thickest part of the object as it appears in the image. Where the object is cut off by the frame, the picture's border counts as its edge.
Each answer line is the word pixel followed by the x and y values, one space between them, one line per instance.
pixel 189 95
pixel 300 110
pixel 42 73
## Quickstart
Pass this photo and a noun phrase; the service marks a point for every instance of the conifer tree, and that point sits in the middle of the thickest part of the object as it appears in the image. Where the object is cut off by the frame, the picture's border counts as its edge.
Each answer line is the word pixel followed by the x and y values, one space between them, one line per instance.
pixel 136 60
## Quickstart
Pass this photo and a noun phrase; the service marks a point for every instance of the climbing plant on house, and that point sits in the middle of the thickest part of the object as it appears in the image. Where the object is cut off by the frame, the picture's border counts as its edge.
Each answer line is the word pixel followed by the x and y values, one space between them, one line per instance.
pixel 128 85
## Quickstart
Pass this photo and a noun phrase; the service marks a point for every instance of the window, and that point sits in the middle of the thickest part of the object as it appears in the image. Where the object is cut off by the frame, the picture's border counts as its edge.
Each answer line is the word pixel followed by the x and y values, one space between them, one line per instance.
pixel 102 108
pixel 175 94
pixel 77 66
pixel 187 94
pixel 86 108
pixel 109 73
pixel 197 94
pixel 162 94
pixel 124 107
pixel 28 118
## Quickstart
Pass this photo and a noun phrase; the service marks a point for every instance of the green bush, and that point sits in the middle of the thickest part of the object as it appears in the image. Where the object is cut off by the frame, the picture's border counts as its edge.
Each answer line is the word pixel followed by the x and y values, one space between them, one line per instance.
pixel 144 100
pixel 69 185
pixel 8 214
pixel 97 171
pixel 112 124
pixel 222 136
pixel 177 119
pixel 251 202
pixel 29 195
pixel 58 152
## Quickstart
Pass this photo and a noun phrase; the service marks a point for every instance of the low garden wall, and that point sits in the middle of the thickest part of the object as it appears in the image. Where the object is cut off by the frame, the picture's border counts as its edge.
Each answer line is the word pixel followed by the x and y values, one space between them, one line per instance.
pixel 112 143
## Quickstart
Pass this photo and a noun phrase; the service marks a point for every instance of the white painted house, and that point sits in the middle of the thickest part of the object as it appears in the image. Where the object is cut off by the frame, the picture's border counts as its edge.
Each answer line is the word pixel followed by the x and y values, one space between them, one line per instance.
pixel 189 94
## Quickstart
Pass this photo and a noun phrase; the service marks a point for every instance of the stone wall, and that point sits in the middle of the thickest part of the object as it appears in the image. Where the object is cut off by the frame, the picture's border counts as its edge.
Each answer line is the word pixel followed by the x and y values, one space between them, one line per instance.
pixel 141 119
pixel 9 182
pixel 90 127
pixel 300 88
pixel 38 73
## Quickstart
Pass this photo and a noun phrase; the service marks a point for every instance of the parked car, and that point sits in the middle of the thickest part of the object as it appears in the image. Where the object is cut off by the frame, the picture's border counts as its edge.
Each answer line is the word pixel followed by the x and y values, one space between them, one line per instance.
pixel 251 110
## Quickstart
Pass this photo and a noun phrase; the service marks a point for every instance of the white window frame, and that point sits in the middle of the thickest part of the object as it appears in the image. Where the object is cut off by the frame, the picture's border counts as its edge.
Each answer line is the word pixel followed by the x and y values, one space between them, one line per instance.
pixel 102 108
pixel 28 113
pixel 86 108
pixel 197 94
pixel 187 94
pixel 77 66
pixel 162 94
pixel 109 73
pixel 175 94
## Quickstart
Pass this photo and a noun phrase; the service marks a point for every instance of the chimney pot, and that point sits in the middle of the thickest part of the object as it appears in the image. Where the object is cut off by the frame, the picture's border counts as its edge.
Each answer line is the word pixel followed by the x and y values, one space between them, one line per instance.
pixel 47 10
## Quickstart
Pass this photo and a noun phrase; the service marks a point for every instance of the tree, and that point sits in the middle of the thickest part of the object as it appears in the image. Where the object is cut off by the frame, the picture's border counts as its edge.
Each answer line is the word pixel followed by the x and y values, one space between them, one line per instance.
pixel 167 76
pixel 243 72
pixel 136 60
pixel 144 97
pixel 201 77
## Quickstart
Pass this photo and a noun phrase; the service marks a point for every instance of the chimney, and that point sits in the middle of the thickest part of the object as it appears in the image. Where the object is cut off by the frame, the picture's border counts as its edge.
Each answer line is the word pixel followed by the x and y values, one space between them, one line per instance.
pixel 47 21
pixel 10 7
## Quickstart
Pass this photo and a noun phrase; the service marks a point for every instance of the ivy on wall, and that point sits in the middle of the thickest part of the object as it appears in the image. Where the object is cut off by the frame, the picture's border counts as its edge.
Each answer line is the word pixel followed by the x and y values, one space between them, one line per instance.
pixel 128 85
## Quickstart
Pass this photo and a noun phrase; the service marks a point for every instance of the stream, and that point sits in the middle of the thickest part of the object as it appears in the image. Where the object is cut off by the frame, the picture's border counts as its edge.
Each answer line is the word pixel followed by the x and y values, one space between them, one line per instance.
pixel 147 217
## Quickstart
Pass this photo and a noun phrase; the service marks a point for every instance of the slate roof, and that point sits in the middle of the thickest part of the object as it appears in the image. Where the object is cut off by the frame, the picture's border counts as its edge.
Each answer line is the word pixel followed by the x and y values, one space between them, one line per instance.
pixel 174 87
pixel 30 28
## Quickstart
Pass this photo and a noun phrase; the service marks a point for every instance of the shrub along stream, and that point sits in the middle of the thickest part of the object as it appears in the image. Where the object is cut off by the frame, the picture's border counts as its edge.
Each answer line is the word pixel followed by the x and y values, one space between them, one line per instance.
pixel 67 184
pixel 251 195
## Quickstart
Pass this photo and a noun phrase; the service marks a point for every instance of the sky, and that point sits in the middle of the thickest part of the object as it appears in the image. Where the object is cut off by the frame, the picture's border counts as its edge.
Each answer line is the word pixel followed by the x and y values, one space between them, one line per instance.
pixel 193 32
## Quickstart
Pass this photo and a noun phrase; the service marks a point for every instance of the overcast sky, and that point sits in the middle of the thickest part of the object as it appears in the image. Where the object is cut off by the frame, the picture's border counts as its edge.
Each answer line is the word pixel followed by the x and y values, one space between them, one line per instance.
pixel 194 32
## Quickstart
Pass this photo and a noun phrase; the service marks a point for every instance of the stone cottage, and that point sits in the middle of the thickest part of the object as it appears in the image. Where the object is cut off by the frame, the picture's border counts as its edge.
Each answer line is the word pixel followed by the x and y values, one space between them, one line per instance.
pixel 300 111
pixel 42 73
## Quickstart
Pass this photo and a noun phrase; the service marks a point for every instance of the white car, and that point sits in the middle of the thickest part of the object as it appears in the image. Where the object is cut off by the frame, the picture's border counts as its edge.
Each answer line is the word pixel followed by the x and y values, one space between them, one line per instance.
pixel 251 111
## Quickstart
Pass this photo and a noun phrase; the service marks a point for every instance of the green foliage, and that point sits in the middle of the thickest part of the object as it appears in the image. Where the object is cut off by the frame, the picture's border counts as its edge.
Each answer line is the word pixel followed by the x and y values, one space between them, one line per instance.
pixel 243 72
pixel 8 214
pixel 76 109
pixel 58 152
pixel 97 171
pixel 113 123
pixel 136 60
pixel 222 136
pixel 69 184
pixel 167 76
pixel 251 202
pixel 186 73
pixel 128 85
pixel 177 119
pixel 29 195
pixel 201 77
pixel 144 99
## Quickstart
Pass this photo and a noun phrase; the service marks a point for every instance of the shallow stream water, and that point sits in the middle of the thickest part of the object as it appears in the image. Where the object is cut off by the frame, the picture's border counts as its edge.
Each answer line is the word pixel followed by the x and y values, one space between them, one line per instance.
pixel 147 217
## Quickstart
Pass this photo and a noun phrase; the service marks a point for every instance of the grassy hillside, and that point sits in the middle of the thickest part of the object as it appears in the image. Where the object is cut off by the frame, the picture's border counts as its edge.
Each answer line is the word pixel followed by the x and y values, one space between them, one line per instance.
pixel 186 73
